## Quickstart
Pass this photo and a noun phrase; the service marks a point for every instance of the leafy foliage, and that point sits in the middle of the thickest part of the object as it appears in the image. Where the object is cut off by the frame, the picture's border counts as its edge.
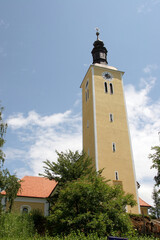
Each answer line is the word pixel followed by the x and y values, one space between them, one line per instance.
pixel 8 182
pixel 155 157
pixel 155 210
pixel 11 186
pixel 16 226
pixel 91 205
pixel 70 166
pixel 3 127
pixel 39 221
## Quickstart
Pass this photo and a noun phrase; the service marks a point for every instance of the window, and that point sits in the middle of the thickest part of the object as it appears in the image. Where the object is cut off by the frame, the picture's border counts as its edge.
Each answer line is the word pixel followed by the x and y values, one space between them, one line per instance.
pixel 111 117
pixel 25 209
pixel 105 87
pixel 87 91
pixel 88 152
pixel 111 88
pixel 116 175
pixel 86 96
pixel 87 84
pixel 102 55
pixel 113 147
pixel 87 123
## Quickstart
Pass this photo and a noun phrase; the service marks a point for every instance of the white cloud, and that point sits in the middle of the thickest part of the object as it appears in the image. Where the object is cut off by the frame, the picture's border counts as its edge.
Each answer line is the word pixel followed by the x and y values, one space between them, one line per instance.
pixel 12 153
pixel 42 135
pixel 144 121
pixel 34 119
pixel 21 172
pixel 150 67
pixel 147 6
pixel 145 192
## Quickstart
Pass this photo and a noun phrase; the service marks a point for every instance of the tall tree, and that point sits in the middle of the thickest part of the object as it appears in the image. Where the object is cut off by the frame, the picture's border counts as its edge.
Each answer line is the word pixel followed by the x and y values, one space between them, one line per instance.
pixel 155 210
pixel 91 205
pixel 69 166
pixel 155 157
pixel 9 183
pixel 3 127
pixel 11 186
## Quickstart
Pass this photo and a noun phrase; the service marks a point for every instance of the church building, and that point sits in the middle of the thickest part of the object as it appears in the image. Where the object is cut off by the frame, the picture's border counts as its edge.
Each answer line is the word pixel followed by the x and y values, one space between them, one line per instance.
pixel 106 136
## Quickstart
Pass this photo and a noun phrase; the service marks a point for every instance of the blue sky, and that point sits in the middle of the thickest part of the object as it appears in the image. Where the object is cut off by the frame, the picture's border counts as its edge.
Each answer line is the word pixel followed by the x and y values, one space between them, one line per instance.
pixel 45 51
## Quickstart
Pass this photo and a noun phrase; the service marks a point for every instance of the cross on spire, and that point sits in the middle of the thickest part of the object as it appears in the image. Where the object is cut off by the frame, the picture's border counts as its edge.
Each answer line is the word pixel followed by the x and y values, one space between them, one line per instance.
pixel 97 32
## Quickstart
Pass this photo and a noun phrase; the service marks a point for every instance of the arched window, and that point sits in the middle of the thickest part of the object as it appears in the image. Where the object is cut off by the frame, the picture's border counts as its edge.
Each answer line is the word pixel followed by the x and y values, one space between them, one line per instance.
pixel 105 87
pixel 25 209
pixel 86 96
pixel 111 88
pixel 116 175
pixel 113 147
pixel 88 93
pixel 111 117
pixel 87 123
pixel 87 90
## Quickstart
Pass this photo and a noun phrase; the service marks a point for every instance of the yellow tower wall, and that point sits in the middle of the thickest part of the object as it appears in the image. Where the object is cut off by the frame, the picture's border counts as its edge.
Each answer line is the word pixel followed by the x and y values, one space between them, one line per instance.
pixel 101 133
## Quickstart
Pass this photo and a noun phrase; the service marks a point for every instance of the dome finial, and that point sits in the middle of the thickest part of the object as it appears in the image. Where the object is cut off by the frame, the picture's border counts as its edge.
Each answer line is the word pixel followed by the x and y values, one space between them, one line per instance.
pixel 97 32
pixel 99 52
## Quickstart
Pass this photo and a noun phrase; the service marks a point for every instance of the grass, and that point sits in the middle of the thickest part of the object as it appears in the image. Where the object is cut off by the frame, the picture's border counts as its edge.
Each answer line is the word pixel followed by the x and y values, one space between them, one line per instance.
pixel 74 237
pixel 21 227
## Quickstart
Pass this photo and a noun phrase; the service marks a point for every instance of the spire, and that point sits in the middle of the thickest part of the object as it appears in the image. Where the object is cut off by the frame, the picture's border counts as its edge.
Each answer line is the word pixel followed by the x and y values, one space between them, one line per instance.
pixel 99 52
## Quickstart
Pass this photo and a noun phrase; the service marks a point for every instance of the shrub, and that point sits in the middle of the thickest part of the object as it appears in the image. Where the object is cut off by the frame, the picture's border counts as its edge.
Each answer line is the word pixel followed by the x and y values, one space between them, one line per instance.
pixel 14 225
pixel 39 221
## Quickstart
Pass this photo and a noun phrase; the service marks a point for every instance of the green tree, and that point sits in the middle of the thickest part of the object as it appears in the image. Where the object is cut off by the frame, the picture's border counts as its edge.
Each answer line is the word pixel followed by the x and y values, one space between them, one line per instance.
pixel 3 127
pixel 8 182
pixel 155 157
pixel 11 186
pixel 69 166
pixel 155 210
pixel 91 205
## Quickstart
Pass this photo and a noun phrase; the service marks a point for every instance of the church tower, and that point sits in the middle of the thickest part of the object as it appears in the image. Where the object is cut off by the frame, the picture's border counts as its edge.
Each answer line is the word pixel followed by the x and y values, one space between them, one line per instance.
pixel 106 136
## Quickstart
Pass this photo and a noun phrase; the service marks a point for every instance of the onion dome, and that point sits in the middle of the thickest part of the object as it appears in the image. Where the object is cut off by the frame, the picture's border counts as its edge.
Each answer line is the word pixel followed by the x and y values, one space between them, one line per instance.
pixel 99 52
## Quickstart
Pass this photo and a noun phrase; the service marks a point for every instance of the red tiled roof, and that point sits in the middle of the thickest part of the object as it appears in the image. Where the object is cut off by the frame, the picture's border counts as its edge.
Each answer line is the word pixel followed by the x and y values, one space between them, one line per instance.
pixel 143 203
pixel 39 187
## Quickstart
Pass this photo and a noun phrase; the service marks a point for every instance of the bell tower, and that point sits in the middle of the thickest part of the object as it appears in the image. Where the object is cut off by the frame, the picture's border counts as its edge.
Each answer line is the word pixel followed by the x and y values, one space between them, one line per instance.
pixel 106 137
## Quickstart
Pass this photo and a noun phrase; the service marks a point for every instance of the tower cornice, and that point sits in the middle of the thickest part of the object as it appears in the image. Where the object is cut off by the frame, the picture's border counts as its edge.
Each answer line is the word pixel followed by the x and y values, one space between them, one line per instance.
pixel 102 66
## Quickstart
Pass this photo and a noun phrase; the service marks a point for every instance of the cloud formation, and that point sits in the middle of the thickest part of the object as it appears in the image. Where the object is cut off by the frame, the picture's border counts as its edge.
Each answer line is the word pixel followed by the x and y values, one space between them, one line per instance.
pixel 144 115
pixel 42 135
pixel 34 119
pixel 147 5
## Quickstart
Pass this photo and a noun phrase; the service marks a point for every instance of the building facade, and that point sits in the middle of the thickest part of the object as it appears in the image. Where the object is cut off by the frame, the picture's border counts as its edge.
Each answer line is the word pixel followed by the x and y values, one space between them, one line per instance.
pixel 33 195
pixel 106 135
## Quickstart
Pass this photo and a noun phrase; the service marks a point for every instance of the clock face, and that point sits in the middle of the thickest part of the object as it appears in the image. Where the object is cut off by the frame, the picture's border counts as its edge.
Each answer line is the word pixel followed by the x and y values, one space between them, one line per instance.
pixel 107 76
